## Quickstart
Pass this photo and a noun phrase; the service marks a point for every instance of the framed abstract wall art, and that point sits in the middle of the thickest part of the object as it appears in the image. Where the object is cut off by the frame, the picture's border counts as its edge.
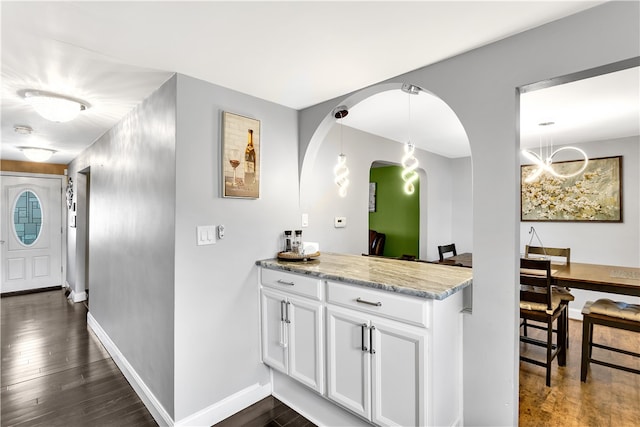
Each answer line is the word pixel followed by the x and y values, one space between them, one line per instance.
pixel 240 156
pixel 594 195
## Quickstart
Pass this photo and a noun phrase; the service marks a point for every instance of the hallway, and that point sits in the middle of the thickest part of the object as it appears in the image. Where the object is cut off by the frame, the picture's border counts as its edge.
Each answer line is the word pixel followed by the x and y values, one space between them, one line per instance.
pixel 55 372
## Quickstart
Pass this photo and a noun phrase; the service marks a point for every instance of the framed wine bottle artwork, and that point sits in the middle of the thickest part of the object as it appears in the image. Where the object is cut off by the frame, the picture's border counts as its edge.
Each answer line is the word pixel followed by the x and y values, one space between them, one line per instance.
pixel 240 156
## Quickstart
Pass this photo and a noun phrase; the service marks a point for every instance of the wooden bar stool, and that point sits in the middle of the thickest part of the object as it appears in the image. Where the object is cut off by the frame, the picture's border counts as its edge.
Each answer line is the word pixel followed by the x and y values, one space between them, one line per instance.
pixel 609 313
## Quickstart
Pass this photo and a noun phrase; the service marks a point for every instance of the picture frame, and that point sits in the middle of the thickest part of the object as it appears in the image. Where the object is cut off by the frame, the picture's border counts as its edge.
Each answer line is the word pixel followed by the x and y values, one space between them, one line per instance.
pixel 372 197
pixel 594 195
pixel 240 156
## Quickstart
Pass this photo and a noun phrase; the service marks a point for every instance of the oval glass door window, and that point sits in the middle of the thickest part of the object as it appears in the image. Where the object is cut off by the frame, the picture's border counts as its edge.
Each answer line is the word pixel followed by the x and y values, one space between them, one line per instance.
pixel 27 218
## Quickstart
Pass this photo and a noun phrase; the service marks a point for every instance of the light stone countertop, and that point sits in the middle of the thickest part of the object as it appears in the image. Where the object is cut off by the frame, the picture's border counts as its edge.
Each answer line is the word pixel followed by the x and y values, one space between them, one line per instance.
pixel 424 280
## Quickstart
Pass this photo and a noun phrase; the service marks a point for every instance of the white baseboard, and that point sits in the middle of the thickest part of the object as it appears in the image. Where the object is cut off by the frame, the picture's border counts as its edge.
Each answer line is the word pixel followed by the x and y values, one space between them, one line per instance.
pixel 77 296
pixel 227 407
pixel 156 409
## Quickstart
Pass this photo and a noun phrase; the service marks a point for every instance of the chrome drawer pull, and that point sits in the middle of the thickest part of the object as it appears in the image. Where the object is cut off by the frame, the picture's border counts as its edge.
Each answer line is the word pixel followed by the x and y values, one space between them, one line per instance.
pixel 360 300
pixel 284 282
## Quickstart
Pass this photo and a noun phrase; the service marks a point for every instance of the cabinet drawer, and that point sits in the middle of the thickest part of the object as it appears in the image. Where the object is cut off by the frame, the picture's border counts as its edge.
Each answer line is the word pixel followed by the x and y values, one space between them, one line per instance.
pixel 292 283
pixel 387 304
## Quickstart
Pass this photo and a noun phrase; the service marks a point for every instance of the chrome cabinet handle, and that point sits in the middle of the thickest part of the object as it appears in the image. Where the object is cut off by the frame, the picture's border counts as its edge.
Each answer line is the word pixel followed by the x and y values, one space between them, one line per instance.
pixel 371 350
pixel 284 282
pixel 282 303
pixel 287 320
pixel 363 328
pixel 360 300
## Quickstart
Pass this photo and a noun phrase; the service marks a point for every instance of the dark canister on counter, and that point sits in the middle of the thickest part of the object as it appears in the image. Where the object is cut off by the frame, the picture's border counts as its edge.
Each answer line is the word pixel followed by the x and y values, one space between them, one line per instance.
pixel 287 241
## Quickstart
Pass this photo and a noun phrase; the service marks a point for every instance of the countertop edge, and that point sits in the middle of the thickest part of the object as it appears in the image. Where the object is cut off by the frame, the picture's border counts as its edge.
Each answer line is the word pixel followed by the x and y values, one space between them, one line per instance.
pixel 267 263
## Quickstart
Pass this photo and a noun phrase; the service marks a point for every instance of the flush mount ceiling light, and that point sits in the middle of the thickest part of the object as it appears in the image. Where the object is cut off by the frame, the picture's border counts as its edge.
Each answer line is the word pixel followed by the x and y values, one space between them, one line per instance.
pixel 36 154
pixel 544 161
pixel 409 161
pixel 53 106
pixel 340 170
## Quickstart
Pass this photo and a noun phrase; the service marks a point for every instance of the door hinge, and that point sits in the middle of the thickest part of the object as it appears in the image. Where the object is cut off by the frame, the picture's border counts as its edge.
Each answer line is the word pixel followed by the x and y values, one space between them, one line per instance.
pixel 61 269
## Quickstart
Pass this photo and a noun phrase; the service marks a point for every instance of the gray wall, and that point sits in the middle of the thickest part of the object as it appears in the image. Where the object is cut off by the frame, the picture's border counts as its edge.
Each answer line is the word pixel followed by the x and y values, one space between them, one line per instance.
pixel 216 303
pixel 132 215
pixel 480 86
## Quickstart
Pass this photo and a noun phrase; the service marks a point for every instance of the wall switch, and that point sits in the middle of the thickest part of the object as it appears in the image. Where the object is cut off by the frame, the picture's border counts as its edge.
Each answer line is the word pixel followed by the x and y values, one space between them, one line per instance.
pixel 220 232
pixel 305 219
pixel 340 222
pixel 205 235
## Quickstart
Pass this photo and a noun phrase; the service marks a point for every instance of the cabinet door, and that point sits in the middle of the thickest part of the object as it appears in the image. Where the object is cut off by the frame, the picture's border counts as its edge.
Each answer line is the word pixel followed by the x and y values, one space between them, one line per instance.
pixel 348 363
pixel 274 330
pixel 306 360
pixel 398 374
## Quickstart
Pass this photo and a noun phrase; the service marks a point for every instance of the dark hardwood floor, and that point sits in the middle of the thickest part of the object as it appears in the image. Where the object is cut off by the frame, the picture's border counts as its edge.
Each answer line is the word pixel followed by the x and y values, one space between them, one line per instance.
pixel 269 412
pixel 55 372
pixel 610 397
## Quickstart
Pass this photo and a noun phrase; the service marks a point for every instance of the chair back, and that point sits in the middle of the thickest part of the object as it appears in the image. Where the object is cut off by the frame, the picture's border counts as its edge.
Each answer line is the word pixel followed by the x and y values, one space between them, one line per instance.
pixel 445 249
pixel 535 281
pixel 376 243
pixel 552 252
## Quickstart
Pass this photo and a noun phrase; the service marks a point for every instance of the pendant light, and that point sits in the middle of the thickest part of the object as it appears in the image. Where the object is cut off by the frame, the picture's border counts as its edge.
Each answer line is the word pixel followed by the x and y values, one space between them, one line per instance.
pixel 409 161
pixel 53 106
pixel 340 170
pixel 544 158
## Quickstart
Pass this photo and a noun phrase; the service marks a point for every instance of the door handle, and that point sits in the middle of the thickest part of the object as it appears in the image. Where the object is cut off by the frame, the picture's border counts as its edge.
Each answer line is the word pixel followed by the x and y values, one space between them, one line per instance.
pixel 363 328
pixel 287 320
pixel 360 300
pixel 371 350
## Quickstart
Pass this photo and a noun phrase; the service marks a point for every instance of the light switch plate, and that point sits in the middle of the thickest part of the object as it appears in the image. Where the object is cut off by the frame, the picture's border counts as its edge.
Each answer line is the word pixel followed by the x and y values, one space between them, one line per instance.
pixel 206 235
pixel 340 222
pixel 305 219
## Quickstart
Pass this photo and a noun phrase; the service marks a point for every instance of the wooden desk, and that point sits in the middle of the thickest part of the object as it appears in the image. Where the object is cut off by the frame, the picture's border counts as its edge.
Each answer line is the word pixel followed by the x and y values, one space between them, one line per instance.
pixel 592 277
pixel 596 277
pixel 464 259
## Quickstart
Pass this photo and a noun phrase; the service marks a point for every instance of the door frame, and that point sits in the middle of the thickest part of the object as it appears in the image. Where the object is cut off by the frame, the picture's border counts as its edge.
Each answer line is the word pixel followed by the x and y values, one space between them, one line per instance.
pixel 63 214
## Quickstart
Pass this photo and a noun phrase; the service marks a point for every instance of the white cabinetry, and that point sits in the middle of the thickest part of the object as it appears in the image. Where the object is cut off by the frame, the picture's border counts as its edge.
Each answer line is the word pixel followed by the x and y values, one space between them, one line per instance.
pixel 292 327
pixel 376 367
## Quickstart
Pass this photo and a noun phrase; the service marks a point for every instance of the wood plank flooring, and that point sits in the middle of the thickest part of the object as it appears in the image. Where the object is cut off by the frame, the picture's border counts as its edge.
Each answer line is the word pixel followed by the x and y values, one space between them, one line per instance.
pixel 610 397
pixel 268 412
pixel 55 372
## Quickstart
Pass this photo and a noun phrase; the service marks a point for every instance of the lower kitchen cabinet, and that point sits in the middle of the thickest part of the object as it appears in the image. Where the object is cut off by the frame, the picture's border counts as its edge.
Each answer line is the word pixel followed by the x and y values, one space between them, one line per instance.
pixel 385 357
pixel 292 337
pixel 376 367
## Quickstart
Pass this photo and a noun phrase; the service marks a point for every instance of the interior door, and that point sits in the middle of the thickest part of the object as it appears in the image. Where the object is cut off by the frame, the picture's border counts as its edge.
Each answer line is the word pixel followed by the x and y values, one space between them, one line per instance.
pixel 31 232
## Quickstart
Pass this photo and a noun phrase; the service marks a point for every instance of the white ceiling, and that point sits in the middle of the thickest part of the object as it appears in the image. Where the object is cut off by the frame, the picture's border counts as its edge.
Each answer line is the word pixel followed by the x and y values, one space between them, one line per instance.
pixel 296 53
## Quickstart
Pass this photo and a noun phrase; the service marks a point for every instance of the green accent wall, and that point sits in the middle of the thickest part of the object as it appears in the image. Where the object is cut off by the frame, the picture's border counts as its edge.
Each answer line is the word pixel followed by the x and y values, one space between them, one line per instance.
pixel 397 214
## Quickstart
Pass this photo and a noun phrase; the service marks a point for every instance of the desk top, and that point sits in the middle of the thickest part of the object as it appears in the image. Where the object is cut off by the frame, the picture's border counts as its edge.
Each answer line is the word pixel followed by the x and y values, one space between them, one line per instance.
pixel 420 279
pixel 598 277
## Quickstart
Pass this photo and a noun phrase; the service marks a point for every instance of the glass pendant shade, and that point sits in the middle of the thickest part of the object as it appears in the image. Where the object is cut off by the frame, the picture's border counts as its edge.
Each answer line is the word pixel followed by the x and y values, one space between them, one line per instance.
pixel 409 164
pixel 545 164
pixel 341 173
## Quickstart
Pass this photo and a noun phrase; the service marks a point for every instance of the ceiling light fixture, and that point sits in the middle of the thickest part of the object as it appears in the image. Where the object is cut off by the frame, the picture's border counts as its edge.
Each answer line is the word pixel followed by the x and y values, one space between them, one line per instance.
pixel 340 170
pixel 23 130
pixel 545 161
pixel 36 154
pixel 409 161
pixel 53 106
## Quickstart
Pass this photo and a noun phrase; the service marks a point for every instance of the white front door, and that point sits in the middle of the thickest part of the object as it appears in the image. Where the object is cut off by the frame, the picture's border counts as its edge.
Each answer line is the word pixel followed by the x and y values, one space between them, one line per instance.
pixel 31 232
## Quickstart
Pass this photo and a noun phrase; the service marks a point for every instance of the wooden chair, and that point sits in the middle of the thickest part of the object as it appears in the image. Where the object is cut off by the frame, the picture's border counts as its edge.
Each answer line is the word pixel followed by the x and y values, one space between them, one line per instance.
pixel 612 314
pixel 376 242
pixel 445 249
pixel 539 302
pixel 567 296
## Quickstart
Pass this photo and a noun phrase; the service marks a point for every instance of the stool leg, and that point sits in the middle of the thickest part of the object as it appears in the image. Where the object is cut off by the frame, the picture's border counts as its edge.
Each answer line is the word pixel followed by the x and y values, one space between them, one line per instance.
pixel 587 331
pixel 549 349
pixel 562 338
